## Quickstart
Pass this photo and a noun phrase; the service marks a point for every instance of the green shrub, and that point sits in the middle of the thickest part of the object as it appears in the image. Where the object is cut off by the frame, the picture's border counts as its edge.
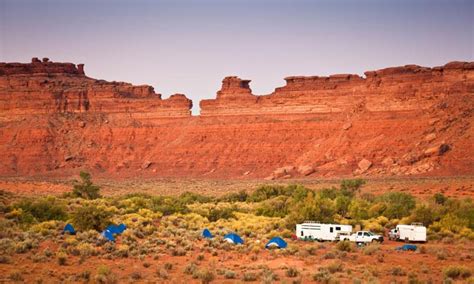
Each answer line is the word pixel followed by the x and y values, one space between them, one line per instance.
pixel 240 196
pixel 275 207
pixel 91 217
pixel 352 185
pixel 399 204
pixel 85 188
pixel 43 209
pixel 220 213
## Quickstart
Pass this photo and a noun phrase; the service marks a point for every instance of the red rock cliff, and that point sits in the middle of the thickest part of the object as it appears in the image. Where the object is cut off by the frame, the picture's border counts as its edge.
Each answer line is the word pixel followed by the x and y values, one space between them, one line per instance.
pixel 396 121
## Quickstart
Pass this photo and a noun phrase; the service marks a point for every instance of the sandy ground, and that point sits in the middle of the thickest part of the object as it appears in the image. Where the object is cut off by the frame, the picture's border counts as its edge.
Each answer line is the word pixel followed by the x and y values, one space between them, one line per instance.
pixel 356 265
pixel 459 187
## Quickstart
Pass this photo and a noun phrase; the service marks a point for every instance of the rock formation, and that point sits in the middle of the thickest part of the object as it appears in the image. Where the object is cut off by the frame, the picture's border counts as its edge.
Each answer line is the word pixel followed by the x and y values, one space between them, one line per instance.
pixel 408 120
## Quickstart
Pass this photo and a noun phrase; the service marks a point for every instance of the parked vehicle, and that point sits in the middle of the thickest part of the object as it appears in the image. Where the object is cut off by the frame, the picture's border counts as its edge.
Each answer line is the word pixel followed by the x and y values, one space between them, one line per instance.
pixel 311 230
pixel 415 232
pixel 363 237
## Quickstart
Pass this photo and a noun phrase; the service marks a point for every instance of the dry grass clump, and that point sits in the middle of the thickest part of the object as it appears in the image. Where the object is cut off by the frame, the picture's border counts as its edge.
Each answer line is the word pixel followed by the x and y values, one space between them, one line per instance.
pixel 229 274
pixel 62 258
pixel 371 249
pixel 249 276
pixel 334 267
pixel 292 272
pixel 205 275
pixel 104 275
pixel 397 271
pixel 346 246
pixel 190 269
pixel 457 272
pixel 16 276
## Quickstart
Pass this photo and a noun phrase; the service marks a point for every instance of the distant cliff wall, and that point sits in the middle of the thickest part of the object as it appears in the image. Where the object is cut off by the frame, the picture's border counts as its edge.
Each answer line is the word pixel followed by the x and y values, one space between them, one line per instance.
pixel 410 120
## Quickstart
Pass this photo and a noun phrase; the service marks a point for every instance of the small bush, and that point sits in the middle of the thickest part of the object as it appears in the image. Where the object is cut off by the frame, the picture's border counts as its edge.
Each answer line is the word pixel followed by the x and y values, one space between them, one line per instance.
pixel 249 276
pixel 455 272
pixel 206 276
pixel 91 217
pixel 371 249
pixel 105 275
pixel 190 268
pixel 397 271
pixel 168 266
pixel 40 210
pixel 292 272
pixel 334 267
pixel 162 273
pixel 345 246
pixel 62 258
pixel 229 274
pixel 16 276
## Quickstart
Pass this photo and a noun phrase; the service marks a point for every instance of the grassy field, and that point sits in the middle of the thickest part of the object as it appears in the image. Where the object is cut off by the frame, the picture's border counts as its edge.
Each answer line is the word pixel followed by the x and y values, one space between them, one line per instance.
pixel 163 238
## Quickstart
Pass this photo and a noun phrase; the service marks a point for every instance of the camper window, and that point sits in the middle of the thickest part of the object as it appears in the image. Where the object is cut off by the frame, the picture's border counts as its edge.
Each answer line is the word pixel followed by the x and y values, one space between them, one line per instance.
pixel 331 229
pixel 338 228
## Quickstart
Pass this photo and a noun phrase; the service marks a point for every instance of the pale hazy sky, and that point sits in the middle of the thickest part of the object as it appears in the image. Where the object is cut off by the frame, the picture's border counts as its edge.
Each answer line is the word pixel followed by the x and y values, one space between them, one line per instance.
pixel 189 46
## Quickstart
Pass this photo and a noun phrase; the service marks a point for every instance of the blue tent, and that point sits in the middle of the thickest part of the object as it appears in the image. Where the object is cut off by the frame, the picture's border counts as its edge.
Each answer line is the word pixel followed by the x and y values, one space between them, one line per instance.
pixel 207 234
pixel 70 229
pixel 114 229
pixel 407 247
pixel 108 235
pixel 276 242
pixel 233 238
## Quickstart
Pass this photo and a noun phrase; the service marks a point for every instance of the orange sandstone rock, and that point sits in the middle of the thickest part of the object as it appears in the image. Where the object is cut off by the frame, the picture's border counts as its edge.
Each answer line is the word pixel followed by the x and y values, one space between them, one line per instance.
pixel 54 120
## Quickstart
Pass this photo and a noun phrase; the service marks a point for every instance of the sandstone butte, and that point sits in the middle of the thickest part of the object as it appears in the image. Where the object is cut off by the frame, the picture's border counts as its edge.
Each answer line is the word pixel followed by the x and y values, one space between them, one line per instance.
pixel 409 120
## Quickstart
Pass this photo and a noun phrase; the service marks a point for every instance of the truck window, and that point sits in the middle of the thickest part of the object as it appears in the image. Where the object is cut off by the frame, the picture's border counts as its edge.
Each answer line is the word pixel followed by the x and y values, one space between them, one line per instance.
pixel 366 234
pixel 359 233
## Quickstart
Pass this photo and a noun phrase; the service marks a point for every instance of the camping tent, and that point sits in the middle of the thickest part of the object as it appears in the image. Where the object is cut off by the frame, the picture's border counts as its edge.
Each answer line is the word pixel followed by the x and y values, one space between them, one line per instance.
pixel 207 234
pixel 233 238
pixel 407 247
pixel 114 229
pixel 108 235
pixel 70 229
pixel 276 242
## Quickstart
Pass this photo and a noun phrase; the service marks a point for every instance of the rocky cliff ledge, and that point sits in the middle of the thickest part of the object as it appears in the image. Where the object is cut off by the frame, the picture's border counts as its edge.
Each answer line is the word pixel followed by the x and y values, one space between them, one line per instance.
pixel 45 87
pixel 406 88
pixel 410 120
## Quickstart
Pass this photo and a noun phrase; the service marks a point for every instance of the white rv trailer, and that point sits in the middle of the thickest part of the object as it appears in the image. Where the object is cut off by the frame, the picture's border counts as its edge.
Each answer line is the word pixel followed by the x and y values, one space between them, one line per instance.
pixel 410 233
pixel 311 230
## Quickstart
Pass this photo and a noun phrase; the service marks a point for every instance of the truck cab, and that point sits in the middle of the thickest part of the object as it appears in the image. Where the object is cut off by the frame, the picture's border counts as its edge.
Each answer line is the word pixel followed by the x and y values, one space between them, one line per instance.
pixel 365 237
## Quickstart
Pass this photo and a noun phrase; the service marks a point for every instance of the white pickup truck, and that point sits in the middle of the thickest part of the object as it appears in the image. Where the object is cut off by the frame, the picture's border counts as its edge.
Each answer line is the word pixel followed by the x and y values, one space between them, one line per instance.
pixel 363 237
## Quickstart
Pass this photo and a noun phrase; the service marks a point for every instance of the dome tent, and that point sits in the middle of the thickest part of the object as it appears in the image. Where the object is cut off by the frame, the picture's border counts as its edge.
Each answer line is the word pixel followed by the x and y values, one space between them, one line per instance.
pixel 109 232
pixel 276 242
pixel 233 238
pixel 207 234
pixel 69 229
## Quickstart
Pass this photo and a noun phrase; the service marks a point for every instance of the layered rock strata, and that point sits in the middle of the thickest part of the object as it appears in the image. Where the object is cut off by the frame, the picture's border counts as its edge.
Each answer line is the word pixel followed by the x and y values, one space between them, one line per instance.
pixel 410 120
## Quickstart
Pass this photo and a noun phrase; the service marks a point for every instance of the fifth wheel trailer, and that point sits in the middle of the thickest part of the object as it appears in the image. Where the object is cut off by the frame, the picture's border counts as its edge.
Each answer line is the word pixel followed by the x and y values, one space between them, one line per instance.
pixel 409 233
pixel 310 230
